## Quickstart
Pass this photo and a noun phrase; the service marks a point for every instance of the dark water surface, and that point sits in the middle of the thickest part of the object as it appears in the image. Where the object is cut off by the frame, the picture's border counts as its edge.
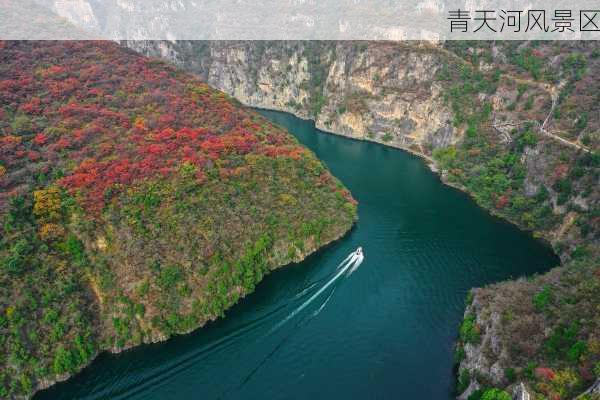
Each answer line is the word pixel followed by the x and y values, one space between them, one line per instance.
pixel 385 332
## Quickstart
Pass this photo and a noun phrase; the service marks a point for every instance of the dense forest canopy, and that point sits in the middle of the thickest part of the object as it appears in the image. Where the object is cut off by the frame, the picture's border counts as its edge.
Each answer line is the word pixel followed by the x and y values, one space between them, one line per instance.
pixel 136 202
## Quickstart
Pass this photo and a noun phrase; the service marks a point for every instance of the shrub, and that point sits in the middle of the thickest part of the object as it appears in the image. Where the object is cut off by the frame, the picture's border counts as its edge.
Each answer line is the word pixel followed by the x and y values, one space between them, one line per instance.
pixel 469 331
pixel 581 251
pixel 15 262
pixel 564 187
pixel 585 140
pixel 582 122
pixel 26 385
pixel 529 62
pixel 576 351
pixel 544 373
pixel 459 354
pixel 476 395
pixel 445 156
pixel 597 370
pixel 530 370
pixel 471 130
pixel 542 194
pixel 443 74
pixel 74 248
pixel 49 232
pixel 542 298
pixel 469 298
pixel 528 138
pixel 169 276
pixel 464 380
pixel 63 361
pixel 22 125
pixel 510 374
pixel 521 88
pixel 575 65
pixel 495 394
pixel 47 204
pixel 566 383
pixel 561 340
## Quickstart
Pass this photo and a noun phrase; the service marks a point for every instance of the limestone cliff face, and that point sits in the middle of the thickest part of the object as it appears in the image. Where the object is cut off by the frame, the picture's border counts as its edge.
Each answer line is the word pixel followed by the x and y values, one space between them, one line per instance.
pixel 377 91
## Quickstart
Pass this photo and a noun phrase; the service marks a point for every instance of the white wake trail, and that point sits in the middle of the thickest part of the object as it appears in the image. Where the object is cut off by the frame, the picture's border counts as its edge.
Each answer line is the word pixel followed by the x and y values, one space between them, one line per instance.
pixel 318 311
pixel 357 261
pixel 304 291
pixel 317 293
pixel 352 261
pixel 351 255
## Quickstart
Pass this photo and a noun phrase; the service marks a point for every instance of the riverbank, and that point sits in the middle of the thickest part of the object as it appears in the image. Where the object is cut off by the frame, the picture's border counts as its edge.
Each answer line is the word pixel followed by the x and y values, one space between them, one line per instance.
pixel 484 114
pixel 48 383
pixel 488 307
pixel 425 246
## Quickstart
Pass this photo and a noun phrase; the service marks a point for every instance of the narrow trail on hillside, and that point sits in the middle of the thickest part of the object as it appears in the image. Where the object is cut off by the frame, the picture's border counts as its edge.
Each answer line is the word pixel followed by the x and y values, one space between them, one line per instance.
pixel 554 93
pixel 552 90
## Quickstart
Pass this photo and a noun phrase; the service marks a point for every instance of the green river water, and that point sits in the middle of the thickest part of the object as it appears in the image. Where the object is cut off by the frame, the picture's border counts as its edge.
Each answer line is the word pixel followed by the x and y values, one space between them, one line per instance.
pixel 384 332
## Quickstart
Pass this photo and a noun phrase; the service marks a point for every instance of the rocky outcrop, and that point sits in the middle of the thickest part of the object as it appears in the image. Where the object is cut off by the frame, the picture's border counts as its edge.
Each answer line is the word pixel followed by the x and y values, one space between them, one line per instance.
pixel 485 355
pixel 513 323
pixel 379 92
pixel 520 392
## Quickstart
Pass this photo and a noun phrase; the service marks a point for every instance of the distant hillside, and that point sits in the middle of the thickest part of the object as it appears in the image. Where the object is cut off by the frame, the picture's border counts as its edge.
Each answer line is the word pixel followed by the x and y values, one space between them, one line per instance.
pixel 136 203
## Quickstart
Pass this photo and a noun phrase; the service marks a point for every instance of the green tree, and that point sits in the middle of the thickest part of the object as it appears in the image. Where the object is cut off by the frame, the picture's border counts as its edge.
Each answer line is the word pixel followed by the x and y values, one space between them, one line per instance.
pixel 469 331
pixel 495 394
pixel 541 299
pixel 63 361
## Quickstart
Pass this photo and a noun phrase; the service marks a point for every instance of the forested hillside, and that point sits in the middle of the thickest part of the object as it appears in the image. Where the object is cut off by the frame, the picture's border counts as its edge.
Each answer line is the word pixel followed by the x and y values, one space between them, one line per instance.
pixel 536 163
pixel 136 203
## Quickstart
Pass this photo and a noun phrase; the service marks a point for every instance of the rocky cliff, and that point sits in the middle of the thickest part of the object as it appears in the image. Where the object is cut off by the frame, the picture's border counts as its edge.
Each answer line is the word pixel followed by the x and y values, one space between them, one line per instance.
pixel 381 92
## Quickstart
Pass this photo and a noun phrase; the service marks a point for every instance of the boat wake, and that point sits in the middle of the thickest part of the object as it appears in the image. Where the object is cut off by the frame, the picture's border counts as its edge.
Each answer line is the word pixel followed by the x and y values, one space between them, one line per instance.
pixel 347 267
pixel 139 385
pixel 358 260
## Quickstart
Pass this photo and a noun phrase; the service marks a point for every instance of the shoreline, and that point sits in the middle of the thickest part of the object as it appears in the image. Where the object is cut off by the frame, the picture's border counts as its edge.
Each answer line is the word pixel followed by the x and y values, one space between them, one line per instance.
pixel 432 166
pixel 48 383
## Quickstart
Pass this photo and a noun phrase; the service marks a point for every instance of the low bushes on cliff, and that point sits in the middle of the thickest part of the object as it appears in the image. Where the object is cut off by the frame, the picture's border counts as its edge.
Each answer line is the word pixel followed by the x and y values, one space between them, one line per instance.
pixel 548 331
pixel 544 331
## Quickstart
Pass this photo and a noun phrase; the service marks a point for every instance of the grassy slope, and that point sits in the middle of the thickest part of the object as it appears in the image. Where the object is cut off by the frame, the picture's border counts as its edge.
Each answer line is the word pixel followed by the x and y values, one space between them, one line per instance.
pixel 136 203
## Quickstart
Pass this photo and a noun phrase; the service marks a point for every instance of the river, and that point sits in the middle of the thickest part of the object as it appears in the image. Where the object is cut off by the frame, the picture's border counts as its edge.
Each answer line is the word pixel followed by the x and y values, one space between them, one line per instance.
pixel 384 332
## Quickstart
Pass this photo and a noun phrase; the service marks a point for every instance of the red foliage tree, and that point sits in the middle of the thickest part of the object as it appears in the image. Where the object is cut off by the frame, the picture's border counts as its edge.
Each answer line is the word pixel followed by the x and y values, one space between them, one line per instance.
pixel 112 118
